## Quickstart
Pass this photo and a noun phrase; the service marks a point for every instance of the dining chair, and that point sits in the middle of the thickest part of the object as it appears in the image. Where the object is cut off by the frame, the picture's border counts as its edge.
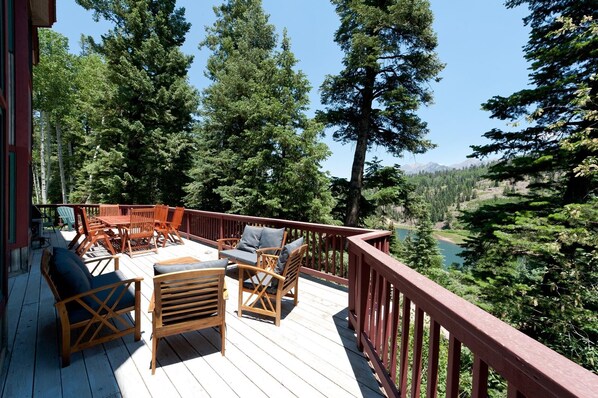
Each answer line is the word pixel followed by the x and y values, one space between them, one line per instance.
pixel 93 234
pixel 139 234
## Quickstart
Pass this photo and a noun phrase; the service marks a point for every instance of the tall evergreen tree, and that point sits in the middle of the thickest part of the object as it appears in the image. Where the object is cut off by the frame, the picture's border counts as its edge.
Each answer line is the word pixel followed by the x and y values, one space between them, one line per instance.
pixel 389 61
pixel 258 152
pixel 146 143
pixel 537 255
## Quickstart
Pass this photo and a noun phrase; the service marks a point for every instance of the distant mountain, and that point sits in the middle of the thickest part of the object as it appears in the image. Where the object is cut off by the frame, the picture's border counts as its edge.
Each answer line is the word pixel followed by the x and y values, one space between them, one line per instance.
pixel 431 167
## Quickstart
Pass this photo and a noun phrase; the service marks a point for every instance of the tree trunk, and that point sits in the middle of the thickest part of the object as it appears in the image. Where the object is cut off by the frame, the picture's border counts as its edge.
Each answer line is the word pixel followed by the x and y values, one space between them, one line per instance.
pixel 61 163
pixel 356 183
pixel 361 148
pixel 42 157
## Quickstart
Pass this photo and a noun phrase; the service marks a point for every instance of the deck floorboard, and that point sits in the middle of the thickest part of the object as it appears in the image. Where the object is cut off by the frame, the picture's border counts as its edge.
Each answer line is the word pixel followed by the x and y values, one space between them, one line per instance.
pixel 313 353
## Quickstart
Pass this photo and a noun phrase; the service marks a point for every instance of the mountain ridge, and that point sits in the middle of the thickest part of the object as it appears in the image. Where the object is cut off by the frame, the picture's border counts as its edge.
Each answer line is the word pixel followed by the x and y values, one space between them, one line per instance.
pixel 432 167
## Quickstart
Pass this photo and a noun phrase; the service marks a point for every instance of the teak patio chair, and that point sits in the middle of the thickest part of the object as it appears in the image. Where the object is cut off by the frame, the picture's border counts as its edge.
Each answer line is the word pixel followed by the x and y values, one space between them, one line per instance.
pixel 109 210
pixel 92 309
pixel 140 231
pixel 174 225
pixel 267 287
pixel 161 225
pixel 186 301
pixel 94 234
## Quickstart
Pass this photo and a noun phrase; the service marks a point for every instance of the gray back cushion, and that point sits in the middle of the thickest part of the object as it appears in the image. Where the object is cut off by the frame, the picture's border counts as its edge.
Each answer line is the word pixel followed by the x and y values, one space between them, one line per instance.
pixel 69 273
pixel 286 252
pixel 64 255
pixel 164 269
pixel 250 240
pixel 271 237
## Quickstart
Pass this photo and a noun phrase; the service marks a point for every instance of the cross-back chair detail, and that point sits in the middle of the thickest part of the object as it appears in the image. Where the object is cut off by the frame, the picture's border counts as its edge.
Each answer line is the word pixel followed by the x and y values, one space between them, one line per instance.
pixel 139 234
pixel 186 301
pixel 261 289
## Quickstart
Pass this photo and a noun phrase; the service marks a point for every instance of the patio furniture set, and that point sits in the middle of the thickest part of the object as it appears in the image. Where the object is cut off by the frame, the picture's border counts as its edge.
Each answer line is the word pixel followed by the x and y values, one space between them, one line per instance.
pixel 139 231
pixel 93 305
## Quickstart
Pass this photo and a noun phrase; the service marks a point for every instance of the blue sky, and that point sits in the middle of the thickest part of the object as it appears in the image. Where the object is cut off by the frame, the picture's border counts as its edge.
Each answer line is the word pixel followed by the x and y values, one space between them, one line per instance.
pixel 480 41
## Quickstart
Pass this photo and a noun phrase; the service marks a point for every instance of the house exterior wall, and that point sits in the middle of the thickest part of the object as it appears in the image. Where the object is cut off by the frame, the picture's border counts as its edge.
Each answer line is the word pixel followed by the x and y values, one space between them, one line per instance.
pixel 19 20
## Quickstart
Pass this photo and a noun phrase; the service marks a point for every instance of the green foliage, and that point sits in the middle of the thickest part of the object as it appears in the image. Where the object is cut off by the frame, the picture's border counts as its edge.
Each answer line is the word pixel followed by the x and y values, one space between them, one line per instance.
pixel 535 255
pixel 384 189
pixel 389 60
pixel 258 153
pixel 145 143
pixel 443 190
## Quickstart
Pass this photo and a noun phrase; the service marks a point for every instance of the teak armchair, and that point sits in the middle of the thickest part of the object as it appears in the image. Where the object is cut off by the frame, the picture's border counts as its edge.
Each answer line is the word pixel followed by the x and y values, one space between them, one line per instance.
pixel 92 309
pixel 186 301
pixel 265 288
pixel 253 243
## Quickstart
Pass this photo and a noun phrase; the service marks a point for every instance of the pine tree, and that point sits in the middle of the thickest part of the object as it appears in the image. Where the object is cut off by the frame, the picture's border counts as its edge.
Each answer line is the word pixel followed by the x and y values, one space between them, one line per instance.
pixel 389 61
pixel 146 142
pixel 258 154
pixel 536 255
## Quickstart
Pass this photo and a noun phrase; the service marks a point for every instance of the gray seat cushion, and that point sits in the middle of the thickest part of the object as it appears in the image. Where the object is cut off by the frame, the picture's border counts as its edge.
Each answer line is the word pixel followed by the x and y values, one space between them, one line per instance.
pixel 240 256
pixel 285 253
pixel 250 240
pixel 271 237
pixel 160 269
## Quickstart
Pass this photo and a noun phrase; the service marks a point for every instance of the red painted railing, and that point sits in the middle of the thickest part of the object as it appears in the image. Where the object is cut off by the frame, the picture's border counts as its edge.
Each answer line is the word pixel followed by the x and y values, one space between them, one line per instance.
pixel 401 317
pixel 396 313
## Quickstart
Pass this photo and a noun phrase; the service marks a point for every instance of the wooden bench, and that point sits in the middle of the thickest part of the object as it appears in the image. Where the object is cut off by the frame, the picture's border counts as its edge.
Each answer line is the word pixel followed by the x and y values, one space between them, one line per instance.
pixel 93 306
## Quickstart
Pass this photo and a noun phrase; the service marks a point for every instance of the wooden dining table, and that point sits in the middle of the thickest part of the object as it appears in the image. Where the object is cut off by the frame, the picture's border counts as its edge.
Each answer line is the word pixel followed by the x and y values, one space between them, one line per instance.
pixel 118 222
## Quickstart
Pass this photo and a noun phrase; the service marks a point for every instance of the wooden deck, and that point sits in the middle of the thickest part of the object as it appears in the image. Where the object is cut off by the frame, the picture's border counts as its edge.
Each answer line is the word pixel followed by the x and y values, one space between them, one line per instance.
pixel 312 353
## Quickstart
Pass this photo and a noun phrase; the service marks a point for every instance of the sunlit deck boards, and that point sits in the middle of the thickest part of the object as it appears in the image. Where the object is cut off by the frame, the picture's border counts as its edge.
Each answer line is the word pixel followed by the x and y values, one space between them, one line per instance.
pixel 312 353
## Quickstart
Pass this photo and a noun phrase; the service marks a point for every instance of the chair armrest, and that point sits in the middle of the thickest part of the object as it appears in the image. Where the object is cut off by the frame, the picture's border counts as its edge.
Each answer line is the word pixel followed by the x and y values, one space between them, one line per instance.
pixel 266 261
pixel 232 242
pixel 252 269
pixel 91 293
pixel 269 250
pixel 101 263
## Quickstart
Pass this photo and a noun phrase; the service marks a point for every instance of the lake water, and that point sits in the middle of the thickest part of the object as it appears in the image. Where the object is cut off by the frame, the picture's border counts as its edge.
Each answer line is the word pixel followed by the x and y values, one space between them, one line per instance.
pixel 449 251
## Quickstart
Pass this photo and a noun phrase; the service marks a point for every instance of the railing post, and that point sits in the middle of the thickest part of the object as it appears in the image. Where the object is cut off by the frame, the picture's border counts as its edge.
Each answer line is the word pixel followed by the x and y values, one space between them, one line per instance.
pixel 361 297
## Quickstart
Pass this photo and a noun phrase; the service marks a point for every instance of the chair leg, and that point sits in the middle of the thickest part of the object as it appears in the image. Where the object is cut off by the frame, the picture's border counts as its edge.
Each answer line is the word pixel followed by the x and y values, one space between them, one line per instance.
pixel 278 310
pixel 222 337
pixel 154 353
pixel 66 346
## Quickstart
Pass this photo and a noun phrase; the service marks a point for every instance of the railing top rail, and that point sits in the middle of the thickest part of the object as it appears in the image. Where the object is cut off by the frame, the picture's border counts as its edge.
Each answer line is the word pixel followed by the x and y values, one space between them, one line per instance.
pixel 532 366
pixel 347 231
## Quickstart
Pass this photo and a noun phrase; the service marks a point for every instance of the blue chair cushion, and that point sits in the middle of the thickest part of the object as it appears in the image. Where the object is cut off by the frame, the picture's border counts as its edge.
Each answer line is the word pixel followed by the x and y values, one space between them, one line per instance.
pixel 271 237
pixel 250 240
pixel 240 256
pixel 160 269
pixel 78 314
pixel 285 253
pixel 69 273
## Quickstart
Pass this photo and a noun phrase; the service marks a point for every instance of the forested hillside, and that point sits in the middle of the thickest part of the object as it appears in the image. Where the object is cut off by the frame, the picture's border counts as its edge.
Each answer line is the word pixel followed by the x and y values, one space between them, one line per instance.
pixel 450 191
